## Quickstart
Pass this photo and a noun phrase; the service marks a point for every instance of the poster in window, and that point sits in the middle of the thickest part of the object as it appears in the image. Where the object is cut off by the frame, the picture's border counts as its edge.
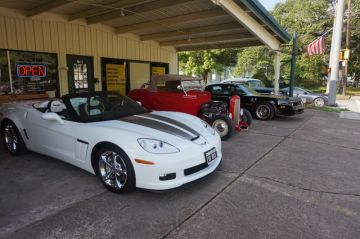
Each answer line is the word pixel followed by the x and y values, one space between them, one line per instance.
pixel 156 70
pixel 115 78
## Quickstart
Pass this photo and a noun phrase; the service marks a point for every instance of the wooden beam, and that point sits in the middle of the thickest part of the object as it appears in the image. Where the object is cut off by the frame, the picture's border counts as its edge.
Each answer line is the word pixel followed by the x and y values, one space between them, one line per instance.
pixel 233 9
pixel 210 39
pixel 219 46
pixel 106 9
pixel 192 31
pixel 194 16
pixel 46 7
pixel 146 7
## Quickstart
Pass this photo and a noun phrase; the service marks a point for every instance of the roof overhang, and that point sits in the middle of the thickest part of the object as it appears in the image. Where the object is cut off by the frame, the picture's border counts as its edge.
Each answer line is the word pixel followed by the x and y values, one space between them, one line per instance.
pixel 182 24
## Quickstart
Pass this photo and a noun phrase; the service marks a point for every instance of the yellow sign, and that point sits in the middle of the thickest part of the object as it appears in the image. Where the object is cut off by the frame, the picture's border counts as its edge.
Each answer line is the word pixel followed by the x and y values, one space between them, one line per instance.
pixel 115 78
pixel 158 70
pixel 347 54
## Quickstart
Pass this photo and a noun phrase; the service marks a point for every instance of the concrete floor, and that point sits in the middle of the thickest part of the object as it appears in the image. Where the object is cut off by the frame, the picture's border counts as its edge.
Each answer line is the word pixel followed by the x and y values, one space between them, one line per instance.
pixel 295 177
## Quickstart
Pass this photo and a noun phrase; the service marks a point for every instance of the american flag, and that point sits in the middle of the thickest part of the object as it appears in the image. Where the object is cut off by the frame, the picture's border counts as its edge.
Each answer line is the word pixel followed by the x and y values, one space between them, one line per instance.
pixel 316 47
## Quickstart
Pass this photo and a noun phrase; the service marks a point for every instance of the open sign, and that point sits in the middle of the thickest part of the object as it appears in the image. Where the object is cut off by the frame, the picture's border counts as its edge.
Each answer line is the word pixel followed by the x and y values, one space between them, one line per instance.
pixel 33 70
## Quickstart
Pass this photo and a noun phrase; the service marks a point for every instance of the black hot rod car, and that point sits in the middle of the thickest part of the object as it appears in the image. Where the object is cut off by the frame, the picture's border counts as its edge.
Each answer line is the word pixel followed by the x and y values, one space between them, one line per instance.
pixel 263 107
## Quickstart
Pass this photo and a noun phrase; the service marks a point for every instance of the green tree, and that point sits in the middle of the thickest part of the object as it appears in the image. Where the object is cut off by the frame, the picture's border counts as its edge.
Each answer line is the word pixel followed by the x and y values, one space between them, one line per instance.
pixel 257 62
pixel 201 63
pixel 354 63
pixel 309 19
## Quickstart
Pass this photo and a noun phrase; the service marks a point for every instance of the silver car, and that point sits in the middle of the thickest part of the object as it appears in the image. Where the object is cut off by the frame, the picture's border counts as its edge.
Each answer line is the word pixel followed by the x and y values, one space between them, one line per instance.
pixel 307 97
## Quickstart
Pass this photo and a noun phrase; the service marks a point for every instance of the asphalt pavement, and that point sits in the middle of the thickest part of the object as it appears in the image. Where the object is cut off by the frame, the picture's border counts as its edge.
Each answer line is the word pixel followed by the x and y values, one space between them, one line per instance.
pixel 293 177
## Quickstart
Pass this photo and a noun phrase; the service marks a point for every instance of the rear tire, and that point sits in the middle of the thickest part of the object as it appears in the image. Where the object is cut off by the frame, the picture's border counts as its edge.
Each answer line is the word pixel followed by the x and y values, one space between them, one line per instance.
pixel 114 169
pixel 12 139
pixel 224 126
pixel 264 111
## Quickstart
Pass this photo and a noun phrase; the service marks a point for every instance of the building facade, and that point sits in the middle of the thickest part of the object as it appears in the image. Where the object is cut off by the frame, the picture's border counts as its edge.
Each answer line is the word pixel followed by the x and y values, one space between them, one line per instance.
pixel 50 54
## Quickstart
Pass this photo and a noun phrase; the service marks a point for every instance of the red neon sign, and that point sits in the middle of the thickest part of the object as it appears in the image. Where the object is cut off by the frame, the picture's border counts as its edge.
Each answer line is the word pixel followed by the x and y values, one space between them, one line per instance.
pixel 30 70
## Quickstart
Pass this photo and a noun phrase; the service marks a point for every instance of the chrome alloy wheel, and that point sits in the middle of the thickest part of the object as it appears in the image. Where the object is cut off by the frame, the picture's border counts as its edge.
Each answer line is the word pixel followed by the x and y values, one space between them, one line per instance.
pixel 221 127
pixel 112 169
pixel 263 111
pixel 11 138
pixel 319 102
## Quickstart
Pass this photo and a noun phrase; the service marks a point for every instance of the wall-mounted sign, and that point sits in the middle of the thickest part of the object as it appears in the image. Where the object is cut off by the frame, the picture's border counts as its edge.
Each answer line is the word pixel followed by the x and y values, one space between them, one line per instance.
pixel 30 70
pixel 115 78
pixel 156 70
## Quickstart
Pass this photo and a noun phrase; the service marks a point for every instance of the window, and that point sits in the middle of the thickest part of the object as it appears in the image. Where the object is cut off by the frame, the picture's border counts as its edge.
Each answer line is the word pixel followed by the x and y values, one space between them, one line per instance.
pixel 216 90
pixel 80 75
pixel 31 72
pixel 240 91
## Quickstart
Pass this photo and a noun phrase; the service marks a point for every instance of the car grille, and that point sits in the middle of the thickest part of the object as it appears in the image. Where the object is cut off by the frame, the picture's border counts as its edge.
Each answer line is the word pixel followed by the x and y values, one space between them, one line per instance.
pixel 195 169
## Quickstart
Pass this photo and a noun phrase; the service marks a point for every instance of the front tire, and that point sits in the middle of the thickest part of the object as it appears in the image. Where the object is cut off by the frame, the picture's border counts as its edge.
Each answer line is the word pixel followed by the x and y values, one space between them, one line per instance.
pixel 224 126
pixel 264 111
pixel 319 102
pixel 246 117
pixel 12 139
pixel 114 169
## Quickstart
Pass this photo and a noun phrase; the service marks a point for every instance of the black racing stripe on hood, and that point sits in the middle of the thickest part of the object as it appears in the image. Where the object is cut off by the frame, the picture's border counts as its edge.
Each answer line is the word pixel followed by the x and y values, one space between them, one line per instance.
pixel 172 121
pixel 157 126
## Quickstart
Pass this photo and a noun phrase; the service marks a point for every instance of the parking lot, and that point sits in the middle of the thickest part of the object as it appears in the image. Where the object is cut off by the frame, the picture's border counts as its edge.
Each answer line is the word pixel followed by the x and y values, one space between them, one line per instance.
pixel 295 177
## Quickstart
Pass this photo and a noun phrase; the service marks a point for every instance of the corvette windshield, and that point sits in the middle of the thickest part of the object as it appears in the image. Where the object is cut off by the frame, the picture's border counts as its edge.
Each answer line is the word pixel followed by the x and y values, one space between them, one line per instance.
pixel 88 107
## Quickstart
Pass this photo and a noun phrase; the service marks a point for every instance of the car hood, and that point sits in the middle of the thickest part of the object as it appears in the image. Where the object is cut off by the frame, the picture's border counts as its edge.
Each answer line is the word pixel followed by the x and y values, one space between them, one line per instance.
pixel 282 97
pixel 152 125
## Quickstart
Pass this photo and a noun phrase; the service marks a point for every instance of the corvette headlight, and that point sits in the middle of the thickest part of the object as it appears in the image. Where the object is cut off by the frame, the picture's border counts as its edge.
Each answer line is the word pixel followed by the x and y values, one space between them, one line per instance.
pixel 208 127
pixel 155 146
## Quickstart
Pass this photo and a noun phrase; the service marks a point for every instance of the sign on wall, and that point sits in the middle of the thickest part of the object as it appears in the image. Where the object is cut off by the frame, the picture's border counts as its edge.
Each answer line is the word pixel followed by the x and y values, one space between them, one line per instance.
pixel 155 70
pixel 30 70
pixel 115 78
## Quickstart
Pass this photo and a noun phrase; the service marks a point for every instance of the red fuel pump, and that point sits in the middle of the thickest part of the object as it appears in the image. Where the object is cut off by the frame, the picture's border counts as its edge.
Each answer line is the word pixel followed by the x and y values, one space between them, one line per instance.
pixel 237 113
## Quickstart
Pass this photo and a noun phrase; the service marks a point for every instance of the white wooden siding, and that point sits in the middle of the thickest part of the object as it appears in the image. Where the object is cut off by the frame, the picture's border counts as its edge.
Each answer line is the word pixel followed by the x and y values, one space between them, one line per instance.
pixel 61 37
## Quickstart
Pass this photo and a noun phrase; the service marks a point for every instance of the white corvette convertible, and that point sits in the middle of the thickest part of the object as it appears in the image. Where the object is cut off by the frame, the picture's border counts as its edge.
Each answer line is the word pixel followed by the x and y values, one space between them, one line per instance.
pixel 115 138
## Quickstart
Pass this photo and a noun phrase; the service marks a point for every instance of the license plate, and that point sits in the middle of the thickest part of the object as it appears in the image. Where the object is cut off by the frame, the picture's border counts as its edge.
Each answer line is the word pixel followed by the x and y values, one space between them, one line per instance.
pixel 210 155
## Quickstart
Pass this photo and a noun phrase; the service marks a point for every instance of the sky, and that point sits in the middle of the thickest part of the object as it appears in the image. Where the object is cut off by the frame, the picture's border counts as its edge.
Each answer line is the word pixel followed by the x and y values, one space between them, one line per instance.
pixel 269 4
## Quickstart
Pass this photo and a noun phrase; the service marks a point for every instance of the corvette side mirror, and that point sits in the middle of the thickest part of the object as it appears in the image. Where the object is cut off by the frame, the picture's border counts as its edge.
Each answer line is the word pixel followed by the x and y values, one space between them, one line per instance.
pixel 52 117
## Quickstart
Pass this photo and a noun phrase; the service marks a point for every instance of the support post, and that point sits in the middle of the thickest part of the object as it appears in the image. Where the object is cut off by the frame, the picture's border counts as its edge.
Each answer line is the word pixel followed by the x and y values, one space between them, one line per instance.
pixel 331 54
pixel 10 74
pixel 293 65
pixel 276 71
pixel 335 46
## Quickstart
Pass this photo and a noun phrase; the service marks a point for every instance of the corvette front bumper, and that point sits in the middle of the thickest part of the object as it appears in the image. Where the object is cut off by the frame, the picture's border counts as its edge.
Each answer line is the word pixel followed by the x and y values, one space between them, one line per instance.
pixel 185 167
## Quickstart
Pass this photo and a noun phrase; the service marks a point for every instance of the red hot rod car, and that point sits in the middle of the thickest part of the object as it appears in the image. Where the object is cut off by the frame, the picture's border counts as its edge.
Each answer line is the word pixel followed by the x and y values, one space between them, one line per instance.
pixel 185 94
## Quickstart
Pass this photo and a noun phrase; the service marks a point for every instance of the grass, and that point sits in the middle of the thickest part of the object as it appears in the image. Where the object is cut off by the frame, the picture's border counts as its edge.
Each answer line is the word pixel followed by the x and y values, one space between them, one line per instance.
pixel 353 91
pixel 349 91
pixel 319 89
pixel 327 108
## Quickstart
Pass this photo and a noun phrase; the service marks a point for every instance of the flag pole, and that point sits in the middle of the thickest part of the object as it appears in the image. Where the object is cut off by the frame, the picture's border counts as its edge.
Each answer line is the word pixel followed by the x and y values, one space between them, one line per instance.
pixel 348 35
pixel 293 65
